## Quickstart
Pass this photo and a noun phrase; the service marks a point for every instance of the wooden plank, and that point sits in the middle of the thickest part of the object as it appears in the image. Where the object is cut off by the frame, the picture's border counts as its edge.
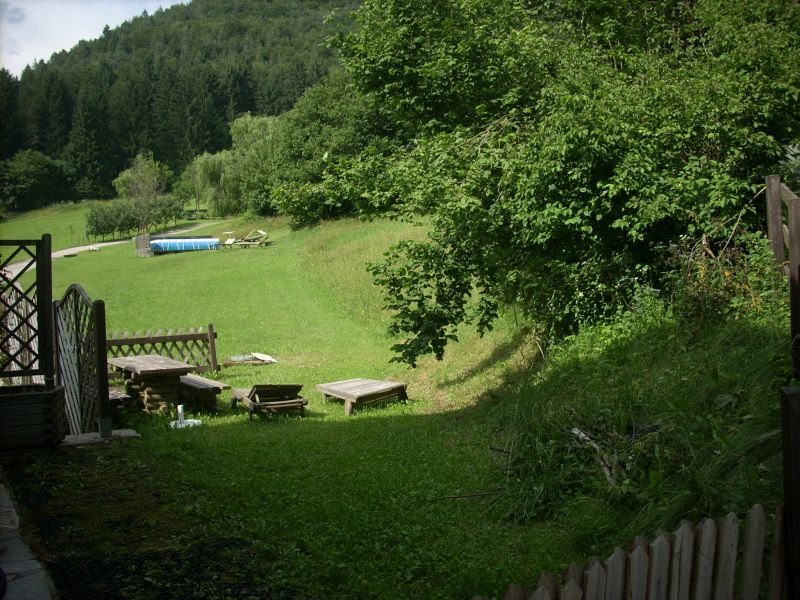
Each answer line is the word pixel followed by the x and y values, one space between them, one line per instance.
pixel 128 339
pixel 658 579
pixel 790 425
pixel 277 404
pixel 46 428
pixel 549 582
pixel 570 591
pixel 615 574
pixel 638 566
pixel 727 544
pixel 200 382
pixel 542 593
pixel 574 573
pixel 151 365
pixel 594 586
pixel 777 559
pixel 212 347
pixel 682 558
pixel 755 533
pixel 787 195
pixel 705 559
pixel 359 389
pixel 11 422
pixel 775 217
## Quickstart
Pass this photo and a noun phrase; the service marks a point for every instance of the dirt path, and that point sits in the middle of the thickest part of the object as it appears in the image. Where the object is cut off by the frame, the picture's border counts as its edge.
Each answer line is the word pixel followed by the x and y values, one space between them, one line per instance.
pixel 14 269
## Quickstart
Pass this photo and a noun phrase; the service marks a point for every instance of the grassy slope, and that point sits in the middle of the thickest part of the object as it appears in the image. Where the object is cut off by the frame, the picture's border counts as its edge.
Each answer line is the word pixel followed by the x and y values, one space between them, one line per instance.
pixel 66 223
pixel 362 507
pixel 368 506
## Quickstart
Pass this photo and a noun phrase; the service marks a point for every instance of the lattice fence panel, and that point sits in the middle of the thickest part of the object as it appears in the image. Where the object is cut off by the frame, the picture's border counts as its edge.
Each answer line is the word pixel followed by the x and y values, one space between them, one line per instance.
pixel 195 346
pixel 20 360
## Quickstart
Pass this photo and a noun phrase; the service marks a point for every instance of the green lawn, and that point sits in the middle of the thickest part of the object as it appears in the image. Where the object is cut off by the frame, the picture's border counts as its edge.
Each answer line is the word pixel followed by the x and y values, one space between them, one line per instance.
pixel 66 224
pixel 393 502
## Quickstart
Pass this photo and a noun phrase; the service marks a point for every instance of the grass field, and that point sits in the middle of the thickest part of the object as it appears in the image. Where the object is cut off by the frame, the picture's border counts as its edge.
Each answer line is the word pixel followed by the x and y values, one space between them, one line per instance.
pixel 476 482
pixel 66 224
pixel 393 502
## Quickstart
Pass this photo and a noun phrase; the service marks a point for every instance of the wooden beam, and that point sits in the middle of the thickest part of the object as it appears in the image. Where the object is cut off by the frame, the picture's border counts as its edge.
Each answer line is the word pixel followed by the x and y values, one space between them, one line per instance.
pixel 775 217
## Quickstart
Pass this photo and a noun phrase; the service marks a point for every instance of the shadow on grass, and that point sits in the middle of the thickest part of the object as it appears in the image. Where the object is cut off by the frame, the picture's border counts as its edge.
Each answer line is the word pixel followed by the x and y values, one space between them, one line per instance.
pixel 500 354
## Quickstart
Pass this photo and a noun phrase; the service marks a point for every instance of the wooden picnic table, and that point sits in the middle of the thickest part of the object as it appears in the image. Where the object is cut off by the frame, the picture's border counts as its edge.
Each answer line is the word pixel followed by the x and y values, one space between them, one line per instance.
pixel 361 391
pixel 156 379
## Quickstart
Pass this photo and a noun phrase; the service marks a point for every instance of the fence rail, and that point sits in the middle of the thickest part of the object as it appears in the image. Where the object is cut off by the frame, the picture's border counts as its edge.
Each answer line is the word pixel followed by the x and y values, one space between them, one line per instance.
pixel 693 563
pixel 196 346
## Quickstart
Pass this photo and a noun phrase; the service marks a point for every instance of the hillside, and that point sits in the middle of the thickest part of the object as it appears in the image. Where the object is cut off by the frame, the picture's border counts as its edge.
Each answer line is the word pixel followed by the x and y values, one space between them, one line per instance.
pixel 167 83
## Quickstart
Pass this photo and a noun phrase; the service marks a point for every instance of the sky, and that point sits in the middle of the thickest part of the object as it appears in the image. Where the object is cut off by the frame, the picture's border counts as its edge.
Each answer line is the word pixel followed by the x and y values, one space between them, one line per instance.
pixel 34 29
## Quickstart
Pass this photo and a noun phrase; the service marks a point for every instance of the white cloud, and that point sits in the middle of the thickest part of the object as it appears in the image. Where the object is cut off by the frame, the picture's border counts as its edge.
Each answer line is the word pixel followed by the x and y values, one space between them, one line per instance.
pixel 33 30
pixel 11 14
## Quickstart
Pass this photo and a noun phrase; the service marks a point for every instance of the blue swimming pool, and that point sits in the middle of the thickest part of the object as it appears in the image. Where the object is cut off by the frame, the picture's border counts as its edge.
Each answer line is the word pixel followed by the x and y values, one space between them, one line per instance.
pixel 183 244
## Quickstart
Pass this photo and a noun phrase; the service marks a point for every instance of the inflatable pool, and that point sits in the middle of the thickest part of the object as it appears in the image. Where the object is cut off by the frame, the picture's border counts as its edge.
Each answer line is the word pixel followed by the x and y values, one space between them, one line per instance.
pixel 183 244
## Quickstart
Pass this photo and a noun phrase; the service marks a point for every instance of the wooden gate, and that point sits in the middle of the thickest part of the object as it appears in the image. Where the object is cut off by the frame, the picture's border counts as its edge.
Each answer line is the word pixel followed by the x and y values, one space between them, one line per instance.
pixel 81 353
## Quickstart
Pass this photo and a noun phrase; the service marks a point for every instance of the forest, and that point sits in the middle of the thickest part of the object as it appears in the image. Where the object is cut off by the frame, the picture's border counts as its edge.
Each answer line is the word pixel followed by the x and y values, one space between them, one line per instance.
pixel 166 84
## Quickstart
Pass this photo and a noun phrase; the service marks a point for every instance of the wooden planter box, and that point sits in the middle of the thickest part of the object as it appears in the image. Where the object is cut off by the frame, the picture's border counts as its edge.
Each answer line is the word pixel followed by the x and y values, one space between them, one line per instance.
pixel 31 416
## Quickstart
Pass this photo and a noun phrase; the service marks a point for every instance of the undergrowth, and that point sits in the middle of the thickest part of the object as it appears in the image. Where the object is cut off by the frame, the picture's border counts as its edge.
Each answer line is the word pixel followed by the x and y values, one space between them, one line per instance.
pixel 669 412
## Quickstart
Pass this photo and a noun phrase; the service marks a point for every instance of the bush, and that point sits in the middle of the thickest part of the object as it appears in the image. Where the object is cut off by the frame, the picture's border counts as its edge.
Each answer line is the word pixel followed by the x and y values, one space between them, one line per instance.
pixel 562 191
pixel 31 179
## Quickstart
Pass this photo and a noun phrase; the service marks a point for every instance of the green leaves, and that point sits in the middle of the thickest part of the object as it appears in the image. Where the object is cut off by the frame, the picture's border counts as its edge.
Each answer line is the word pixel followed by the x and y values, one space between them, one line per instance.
pixel 559 150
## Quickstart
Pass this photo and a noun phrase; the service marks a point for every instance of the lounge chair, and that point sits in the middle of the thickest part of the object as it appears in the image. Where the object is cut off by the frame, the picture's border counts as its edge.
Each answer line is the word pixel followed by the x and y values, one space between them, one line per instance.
pixel 257 237
pixel 229 241
pixel 270 398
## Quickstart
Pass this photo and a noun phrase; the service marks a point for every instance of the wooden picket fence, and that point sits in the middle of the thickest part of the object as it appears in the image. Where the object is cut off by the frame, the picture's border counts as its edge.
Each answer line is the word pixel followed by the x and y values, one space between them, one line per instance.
pixel 693 563
pixel 196 346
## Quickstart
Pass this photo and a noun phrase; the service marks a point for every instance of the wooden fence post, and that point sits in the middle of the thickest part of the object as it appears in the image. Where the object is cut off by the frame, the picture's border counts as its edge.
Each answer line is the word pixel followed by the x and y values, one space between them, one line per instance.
pixel 794 281
pixel 775 218
pixel 212 346
pixel 104 426
pixel 790 424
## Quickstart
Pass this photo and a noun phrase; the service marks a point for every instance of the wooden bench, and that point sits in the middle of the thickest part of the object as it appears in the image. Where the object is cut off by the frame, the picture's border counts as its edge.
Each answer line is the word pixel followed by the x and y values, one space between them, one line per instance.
pixel 362 391
pixel 200 393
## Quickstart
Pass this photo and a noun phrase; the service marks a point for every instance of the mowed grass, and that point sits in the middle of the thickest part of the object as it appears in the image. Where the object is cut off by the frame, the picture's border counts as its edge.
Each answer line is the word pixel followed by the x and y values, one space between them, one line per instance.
pixel 393 502
pixel 66 224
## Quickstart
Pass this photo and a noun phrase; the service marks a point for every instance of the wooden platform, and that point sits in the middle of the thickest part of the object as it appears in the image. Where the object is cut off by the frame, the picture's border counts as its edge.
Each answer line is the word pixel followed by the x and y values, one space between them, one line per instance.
pixel 358 392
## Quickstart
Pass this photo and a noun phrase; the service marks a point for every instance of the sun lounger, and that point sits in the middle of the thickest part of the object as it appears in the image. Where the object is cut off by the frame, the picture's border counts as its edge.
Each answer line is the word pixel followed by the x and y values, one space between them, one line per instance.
pixel 257 237
pixel 270 398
